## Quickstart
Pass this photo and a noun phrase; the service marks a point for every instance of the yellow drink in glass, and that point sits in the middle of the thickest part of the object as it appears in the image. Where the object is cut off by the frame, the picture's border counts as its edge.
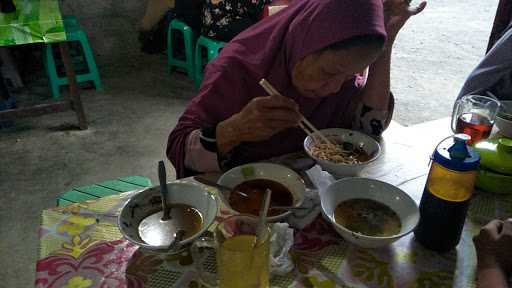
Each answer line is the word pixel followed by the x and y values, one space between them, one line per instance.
pixel 240 263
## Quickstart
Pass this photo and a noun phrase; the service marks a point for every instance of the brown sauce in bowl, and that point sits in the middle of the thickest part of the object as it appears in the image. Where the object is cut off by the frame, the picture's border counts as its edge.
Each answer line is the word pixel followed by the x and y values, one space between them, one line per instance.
pixel 367 217
pixel 255 191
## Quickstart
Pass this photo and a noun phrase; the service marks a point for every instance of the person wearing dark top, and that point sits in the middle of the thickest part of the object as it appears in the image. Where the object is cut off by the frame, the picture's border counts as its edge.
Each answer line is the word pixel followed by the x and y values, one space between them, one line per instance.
pixel 224 19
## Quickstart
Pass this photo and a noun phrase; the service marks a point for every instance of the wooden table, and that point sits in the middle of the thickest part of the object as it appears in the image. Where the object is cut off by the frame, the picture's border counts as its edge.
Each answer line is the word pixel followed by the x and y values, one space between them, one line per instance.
pixel 81 244
pixel 40 21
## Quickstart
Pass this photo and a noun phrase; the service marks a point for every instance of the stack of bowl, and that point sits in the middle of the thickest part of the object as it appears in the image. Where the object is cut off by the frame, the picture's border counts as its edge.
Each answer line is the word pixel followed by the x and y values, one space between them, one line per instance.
pixel 495 172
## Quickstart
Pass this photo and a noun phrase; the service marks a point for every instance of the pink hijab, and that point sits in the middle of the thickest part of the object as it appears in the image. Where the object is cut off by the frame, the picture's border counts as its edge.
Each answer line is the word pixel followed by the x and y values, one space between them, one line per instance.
pixel 270 49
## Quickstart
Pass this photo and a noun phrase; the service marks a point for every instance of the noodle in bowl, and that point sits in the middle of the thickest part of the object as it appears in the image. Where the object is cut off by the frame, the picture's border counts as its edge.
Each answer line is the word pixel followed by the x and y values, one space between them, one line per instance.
pixel 352 152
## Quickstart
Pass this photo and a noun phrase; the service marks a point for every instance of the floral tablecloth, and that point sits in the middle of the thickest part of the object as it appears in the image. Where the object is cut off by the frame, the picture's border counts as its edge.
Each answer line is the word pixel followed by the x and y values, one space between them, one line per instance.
pixel 34 21
pixel 81 246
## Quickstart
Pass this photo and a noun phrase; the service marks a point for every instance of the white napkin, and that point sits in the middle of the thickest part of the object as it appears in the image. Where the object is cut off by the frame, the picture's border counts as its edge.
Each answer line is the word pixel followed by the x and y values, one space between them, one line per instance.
pixel 321 179
pixel 280 243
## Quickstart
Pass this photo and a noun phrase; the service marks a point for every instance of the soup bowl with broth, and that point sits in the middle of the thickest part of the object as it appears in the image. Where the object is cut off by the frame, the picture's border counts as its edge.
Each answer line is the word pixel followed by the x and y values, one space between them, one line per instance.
pixel 192 209
pixel 369 213
pixel 353 151
pixel 253 179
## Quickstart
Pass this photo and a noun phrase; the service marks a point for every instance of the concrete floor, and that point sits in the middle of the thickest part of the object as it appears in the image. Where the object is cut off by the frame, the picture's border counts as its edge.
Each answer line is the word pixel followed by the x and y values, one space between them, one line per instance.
pixel 129 122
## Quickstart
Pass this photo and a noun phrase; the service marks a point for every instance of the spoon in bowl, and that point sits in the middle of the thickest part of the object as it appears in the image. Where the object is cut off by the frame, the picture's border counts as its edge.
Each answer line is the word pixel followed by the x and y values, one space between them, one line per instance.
pixel 162 177
pixel 218 186
pixel 288 208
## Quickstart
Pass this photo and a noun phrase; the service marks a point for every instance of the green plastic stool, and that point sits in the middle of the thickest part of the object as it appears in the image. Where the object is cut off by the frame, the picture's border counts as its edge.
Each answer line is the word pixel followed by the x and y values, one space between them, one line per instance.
pixel 188 36
pixel 73 33
pixel 103 189
pixel 213 48
pixel 70 21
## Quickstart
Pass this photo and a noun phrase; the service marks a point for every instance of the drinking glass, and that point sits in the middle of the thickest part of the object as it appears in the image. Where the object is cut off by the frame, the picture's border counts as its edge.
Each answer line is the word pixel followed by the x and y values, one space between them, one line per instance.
pixel 474 115
pixel 242 261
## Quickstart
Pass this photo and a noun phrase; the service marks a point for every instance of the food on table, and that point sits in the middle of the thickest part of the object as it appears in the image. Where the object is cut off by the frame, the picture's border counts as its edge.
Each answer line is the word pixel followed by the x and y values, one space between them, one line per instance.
pixel 251 194
pixel 345 153
pixel 154 231
pixel 368 217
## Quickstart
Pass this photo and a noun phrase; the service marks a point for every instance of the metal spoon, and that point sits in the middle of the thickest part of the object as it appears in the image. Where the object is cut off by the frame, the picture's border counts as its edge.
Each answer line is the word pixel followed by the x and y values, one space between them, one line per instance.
pixel 218 186
pixel 290 208
pixel 178 236
pixel 163 190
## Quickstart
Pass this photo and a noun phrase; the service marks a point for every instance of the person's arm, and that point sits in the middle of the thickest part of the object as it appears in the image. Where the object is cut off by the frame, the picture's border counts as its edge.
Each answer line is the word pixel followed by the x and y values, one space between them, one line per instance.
pixel 259 120
pixel 197 157
pixel 376 92
pixel 494 250
pixel 376 99
pixel 491 277
pixel 494 68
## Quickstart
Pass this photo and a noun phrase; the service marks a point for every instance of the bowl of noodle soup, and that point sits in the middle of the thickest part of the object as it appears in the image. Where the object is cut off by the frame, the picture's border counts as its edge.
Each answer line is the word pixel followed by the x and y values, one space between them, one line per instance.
pixel 351 153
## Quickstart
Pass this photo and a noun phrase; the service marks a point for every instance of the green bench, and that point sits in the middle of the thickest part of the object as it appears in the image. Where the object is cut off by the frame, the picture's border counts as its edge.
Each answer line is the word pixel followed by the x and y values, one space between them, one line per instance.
pixel 106 188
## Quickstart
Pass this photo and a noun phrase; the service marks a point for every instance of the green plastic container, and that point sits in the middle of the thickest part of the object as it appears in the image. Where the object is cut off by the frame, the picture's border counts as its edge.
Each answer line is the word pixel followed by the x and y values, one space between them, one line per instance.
pixel 495 174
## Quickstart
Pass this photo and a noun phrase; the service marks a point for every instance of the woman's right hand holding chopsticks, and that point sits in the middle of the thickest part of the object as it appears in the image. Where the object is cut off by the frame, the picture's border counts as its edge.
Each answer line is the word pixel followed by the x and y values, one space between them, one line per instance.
pixel 259 120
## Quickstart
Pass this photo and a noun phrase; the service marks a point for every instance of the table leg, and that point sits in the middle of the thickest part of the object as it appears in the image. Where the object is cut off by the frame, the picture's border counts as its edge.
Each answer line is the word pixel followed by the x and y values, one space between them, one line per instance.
pixel 74 96
pixel 4 93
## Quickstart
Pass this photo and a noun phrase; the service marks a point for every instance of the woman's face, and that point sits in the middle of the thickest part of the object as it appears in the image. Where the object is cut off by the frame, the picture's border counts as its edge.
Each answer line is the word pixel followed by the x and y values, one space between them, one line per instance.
pixel 323 73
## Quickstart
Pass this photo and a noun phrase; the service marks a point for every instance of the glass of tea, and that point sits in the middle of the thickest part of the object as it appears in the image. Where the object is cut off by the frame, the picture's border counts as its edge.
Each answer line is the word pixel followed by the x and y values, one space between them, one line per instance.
pixel 474 115
pixel 242 259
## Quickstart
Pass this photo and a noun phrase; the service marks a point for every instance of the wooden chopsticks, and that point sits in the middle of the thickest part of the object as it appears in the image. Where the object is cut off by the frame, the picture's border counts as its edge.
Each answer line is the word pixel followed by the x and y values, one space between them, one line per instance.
pixel 304 124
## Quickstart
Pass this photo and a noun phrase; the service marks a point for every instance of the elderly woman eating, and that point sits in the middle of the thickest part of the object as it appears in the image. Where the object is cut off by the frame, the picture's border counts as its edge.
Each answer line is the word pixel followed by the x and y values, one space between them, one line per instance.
pixel 330 59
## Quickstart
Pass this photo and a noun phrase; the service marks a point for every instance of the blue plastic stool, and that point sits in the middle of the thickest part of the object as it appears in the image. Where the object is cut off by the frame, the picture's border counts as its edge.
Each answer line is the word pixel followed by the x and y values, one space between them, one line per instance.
pixel 73 33
pixel 174 62
pixel 213 48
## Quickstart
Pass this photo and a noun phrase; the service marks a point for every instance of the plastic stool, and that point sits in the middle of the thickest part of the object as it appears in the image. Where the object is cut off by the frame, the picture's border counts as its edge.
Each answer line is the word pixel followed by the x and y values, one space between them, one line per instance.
pixel 73 33
pixel 70 21
pixel 188 38
pixel 103 189
pixel 213 48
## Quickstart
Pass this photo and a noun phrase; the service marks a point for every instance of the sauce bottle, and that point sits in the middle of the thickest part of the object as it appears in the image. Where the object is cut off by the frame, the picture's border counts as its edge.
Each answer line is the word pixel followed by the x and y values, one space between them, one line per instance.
pixel 445 199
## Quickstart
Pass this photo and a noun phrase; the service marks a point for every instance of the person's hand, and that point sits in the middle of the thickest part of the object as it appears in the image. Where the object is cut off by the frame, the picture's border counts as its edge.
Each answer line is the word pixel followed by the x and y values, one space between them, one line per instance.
pixel 259 120
pixel 494 245
pixel 396 13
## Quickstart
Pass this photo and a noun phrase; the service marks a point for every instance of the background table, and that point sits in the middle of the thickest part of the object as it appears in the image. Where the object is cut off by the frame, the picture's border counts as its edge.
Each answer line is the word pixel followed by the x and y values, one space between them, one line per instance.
pixel 40 21
pixel 81 245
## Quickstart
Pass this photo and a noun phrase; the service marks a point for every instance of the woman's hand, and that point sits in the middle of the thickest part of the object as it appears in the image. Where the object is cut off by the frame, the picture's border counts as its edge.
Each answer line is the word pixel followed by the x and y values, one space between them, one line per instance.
pixel 494 245
pixel 396 13
pixel 259 120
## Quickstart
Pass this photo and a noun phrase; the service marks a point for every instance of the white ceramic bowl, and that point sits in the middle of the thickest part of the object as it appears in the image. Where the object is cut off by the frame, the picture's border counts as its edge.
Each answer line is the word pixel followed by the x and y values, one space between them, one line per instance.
pixel 358 139
pixel 504 119
pixel 278 173
pixel 387 194
pixel 149 200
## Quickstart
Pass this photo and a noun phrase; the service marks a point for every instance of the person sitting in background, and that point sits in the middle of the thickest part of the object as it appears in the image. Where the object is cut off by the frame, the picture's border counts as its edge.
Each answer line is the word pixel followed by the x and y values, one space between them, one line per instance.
pixel 159 14
pixel 494 254
pixel 313 52
pixel 494 73
pixel 224 19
